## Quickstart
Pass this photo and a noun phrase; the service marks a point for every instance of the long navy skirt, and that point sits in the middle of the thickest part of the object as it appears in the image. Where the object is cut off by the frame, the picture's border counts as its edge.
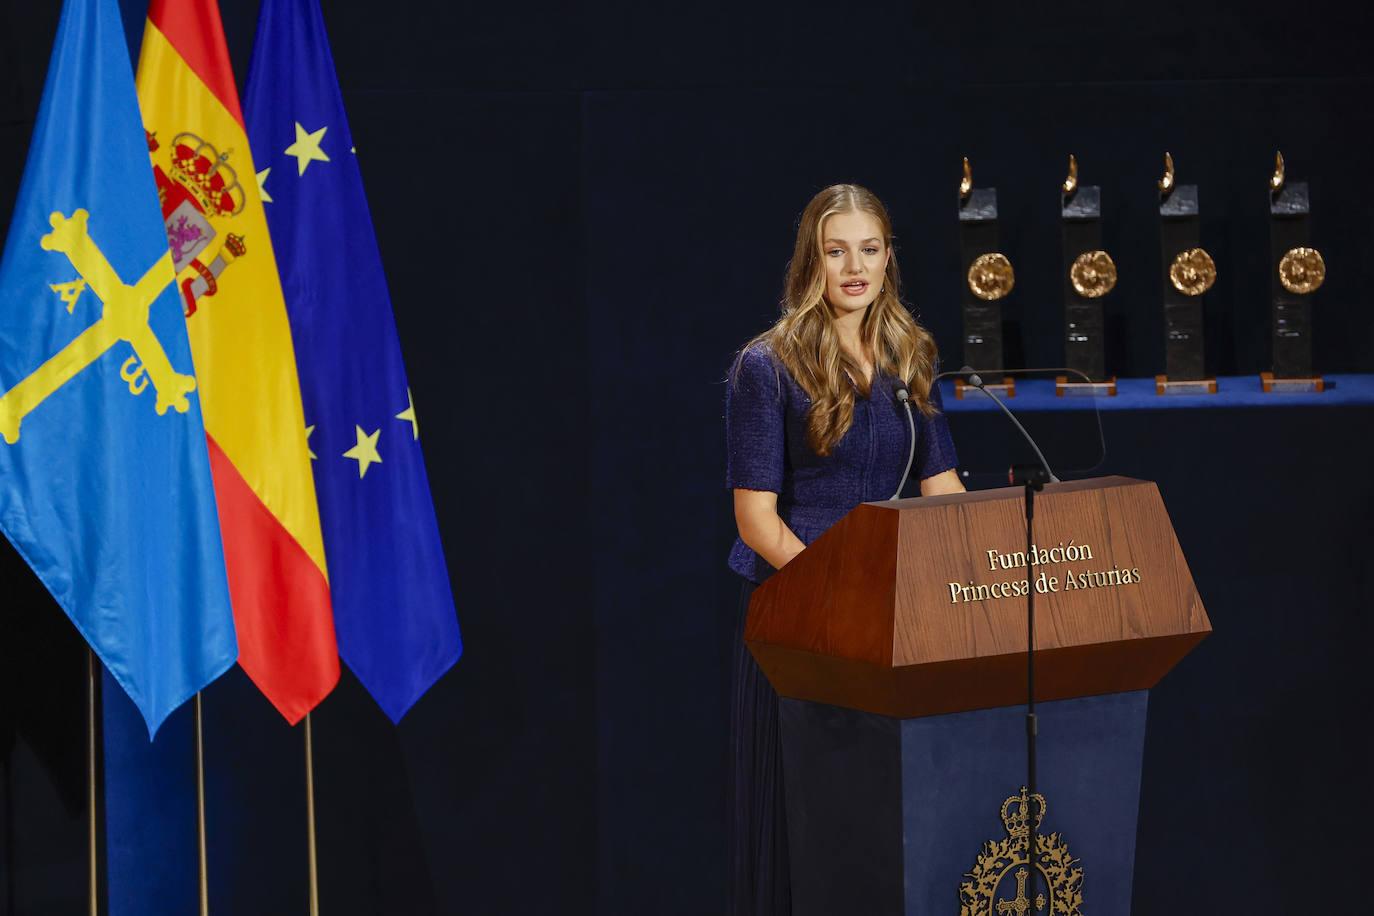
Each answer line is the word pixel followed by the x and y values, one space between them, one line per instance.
pixel 760 884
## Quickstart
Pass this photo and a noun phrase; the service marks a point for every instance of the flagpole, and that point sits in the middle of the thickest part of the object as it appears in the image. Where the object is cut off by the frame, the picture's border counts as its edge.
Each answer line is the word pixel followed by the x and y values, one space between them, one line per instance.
pixel 310 818
pixel 200 813
pixel 92 837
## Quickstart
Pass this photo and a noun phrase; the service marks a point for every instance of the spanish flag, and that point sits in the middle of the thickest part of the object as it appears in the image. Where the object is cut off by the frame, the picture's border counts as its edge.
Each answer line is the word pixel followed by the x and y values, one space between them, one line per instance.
pixel 245 363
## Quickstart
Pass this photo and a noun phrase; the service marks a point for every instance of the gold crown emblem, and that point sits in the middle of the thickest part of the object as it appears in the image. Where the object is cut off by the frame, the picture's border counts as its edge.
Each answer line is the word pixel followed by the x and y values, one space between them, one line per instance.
pixel 204 171
pixel 1016 813
pixel 1002 867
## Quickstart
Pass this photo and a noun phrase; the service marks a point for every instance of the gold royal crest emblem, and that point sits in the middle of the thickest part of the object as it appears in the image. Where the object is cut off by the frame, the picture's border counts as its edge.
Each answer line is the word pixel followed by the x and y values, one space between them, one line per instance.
pixel 997 885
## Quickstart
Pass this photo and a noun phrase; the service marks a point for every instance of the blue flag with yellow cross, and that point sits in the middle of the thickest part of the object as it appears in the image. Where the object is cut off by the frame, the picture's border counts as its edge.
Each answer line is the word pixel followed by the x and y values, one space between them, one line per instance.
pixel 105 485
pixel 394 614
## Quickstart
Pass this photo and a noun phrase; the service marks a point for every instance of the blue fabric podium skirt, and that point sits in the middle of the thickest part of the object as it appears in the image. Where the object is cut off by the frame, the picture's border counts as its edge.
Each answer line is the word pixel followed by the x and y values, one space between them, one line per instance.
pixel 759 883
pixel 892 817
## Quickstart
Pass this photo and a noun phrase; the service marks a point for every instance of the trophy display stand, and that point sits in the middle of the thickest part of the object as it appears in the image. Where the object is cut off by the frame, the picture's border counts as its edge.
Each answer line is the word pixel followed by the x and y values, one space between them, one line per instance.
pixel 1006 387
pixel 1296 271
pixel 1188 273
pixel 988 278
pixel 1089 277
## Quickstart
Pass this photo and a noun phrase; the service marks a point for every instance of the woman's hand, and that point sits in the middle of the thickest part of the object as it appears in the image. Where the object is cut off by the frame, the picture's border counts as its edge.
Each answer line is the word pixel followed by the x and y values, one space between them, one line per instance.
pixel 944 482
pixel 763 530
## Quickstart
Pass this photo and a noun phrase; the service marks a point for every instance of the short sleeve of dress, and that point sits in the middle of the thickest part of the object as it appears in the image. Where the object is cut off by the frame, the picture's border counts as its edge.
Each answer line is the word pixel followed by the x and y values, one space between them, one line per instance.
pixel 935 448
pixel 754 415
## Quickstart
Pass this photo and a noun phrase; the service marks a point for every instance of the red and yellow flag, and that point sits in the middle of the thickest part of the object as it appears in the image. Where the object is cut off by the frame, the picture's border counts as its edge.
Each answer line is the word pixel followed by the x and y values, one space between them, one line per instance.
pixel 245 364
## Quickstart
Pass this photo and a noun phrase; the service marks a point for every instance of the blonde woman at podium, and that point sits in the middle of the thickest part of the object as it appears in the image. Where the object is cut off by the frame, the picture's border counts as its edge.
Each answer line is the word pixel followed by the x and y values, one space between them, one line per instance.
pixel 815 425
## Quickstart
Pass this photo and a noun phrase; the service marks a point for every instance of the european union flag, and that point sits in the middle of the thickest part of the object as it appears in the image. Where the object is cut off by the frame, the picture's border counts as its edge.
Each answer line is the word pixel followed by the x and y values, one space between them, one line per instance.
pixel 393 606
pixel 104 471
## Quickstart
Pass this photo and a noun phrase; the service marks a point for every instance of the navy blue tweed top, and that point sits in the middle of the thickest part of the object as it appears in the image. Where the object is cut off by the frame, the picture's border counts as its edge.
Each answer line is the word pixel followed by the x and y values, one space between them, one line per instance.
pixel 766 449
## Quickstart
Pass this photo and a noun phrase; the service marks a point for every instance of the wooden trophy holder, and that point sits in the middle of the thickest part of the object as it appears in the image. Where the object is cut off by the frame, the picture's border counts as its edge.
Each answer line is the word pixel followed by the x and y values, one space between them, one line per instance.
pixel 1064 385
pixel 1185 386
pixel 1006 388
pixel 1272 384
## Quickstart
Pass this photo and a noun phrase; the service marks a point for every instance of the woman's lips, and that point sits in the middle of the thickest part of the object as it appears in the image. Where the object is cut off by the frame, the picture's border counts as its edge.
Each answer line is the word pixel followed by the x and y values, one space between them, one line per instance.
pixel 854 287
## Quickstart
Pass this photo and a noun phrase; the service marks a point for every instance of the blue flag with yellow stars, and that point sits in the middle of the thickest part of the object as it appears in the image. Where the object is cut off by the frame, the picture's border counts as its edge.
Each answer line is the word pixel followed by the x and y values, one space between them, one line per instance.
pixel 105 485
pixel 393 606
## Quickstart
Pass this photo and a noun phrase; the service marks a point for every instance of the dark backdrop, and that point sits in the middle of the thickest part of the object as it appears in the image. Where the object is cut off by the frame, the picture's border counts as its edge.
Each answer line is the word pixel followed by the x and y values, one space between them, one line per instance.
pixel 630 174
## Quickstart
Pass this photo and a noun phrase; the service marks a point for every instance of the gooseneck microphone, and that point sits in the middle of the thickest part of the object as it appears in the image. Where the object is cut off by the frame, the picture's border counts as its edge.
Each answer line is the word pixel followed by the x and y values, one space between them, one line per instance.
pixel 904 398
pixel 976 381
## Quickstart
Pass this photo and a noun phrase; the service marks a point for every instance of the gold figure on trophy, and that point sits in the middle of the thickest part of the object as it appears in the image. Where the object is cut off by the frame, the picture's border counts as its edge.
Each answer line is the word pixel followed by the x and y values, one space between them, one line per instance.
pixel 1071 183
pixel 1302 270
pixel 966 182
pixel 990 276
pixel 1166 184
pixel 1093 274
pixel 1193 272
pixel 1276 180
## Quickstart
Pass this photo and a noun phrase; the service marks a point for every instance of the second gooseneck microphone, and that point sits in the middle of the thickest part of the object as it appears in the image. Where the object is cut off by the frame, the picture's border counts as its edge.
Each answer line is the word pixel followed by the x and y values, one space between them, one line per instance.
pixel 976 381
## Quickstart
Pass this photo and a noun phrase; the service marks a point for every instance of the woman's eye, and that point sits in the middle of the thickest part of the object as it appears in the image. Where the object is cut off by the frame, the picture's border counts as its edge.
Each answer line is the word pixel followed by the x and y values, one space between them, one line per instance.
pixel 870 251
pixel 835 252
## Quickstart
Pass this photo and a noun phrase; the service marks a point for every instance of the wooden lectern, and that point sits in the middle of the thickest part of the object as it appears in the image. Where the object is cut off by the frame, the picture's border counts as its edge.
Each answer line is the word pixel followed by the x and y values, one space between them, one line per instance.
pixel 897 641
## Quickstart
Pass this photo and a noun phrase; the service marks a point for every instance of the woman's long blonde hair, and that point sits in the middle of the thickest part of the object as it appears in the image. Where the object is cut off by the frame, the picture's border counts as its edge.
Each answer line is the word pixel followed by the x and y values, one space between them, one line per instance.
pixel 804 337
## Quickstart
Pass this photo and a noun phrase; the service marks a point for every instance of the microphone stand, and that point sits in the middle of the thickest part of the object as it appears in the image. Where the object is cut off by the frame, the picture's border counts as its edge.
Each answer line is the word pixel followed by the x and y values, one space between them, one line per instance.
pixel 1032 483
pixel 1033 478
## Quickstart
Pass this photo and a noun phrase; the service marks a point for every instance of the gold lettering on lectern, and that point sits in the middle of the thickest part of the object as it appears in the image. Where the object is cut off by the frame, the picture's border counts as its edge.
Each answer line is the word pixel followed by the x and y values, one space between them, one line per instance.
pixel 1040 556
pixel 1045 582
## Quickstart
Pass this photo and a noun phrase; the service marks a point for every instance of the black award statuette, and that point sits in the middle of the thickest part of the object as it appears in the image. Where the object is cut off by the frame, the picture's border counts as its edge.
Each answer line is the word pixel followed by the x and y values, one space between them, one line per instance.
pixel 1089 275
pixel 1297 271
pixel 988 278
pixel 1189 272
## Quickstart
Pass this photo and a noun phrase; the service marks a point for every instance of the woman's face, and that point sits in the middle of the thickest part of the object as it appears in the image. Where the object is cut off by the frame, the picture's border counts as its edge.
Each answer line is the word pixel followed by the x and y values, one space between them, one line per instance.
pixel 855 256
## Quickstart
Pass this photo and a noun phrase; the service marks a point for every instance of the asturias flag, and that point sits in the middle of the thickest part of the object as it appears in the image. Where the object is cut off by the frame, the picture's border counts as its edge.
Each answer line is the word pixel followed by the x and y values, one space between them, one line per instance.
pixel 105 482
pixel 227 275
pixel 393 606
